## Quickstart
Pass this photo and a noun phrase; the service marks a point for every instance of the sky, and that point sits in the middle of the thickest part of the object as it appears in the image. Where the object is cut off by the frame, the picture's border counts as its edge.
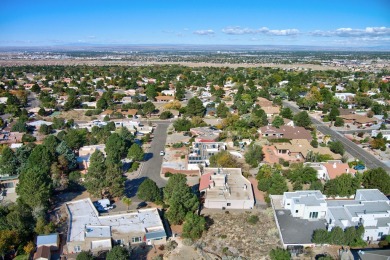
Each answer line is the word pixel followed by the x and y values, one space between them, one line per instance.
pixel 343 23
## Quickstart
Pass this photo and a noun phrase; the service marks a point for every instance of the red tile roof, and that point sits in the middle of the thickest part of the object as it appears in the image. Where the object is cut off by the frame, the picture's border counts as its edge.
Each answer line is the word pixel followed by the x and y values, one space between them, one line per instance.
pixel 337 169
pixel 205 181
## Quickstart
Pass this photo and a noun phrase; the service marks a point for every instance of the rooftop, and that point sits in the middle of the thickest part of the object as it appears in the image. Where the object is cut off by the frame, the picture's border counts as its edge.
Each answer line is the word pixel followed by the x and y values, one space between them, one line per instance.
pixel 228 184
pixel 86 222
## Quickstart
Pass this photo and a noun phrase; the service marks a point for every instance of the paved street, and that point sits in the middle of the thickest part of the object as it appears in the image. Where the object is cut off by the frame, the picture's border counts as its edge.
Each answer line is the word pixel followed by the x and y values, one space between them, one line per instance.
pixel 151 168
pixel 353 149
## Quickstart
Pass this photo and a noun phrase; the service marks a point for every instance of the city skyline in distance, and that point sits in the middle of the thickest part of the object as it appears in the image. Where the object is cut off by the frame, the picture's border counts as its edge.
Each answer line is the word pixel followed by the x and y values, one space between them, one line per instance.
pixel 331 24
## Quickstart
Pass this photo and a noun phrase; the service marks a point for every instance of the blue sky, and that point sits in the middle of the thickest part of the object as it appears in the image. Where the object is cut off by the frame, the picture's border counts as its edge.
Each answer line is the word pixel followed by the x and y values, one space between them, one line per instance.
pixel 315 22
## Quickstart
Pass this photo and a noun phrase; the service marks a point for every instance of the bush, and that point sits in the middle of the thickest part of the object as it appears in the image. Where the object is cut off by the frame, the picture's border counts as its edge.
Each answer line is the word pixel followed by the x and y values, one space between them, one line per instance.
pixel 253 219
pixel 168 174
pixel 178 145
pixel 171 245
pixel 134 166
pixel 28 138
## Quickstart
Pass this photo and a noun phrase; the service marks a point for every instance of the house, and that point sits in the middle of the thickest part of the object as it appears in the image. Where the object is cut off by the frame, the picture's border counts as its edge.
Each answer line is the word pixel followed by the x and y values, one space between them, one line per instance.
pixel 299 213
pixel 263 102
pixel 285 132
pixel 164 98
pixel 38 123
pixel 359 120
pixel 331 169
pixel 226 189
pixel 204 134
pixel 298 149
pixel 52 241
pixel 89 104
pixel 88 231
pixel 85 153
pixel 124 112
pixel 200 153
pixel 42 253
pixel 271 111
pixel 346 97
pixel 170 92
pixel 385 133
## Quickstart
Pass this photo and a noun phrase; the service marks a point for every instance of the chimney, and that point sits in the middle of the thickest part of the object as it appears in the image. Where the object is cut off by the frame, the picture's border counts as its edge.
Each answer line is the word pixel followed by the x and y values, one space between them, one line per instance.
pixel 347 170
pixel 245 187
pixel 334 166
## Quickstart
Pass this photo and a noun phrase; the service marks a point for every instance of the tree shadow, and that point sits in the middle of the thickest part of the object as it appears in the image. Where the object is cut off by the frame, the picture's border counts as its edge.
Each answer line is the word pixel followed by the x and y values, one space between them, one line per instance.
pixel 209 222
pixel 148 156
pixel 131 186
pixel 140 252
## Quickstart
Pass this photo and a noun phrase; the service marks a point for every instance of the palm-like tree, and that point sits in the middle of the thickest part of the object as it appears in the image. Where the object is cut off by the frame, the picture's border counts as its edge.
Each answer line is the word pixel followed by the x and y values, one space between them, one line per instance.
pixel 127 201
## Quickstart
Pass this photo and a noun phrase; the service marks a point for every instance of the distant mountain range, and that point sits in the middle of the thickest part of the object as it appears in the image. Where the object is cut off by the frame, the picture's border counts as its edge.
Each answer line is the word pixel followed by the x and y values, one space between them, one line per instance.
pixel 187 47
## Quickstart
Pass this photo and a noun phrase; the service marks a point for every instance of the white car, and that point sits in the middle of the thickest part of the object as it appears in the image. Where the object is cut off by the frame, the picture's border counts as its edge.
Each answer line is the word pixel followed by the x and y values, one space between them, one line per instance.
pixel 162 153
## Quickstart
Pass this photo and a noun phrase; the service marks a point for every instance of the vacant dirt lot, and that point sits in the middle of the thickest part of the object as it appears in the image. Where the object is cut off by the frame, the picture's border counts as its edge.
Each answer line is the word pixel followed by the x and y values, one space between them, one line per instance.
pixel 231 234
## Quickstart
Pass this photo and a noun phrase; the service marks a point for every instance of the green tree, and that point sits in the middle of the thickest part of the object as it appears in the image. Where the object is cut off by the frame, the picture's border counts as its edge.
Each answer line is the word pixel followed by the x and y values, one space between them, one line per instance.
pixel 19 126
pixel 115 148
pixel 148 108
pixel 287 113
pixel 337 147
pixel 278 185
pixel 224 159
pixel 195 107
pixel 339 122
pixel 377 178
pixel 278 122
pixel 166 115
pixel 333 114
pixel 302 174
pixel 51 142
pixel 118 253
pixel 75 138
pixel 45 129
pixel 69 155
pixel 127 201
pixel 182 124
pixel 279 254
pixel 222 110
pixel 337 236
pixel 8 162
pixel 95 178
pixel 114 182
pixel 84 256
pixel 194 225
pixel 254 155
pixel 8 240
pixel 149 191
pixel 343 185
pixel 34 186
pixel 180 199
pixel 136 152
pixel 302 119
pixel 320 236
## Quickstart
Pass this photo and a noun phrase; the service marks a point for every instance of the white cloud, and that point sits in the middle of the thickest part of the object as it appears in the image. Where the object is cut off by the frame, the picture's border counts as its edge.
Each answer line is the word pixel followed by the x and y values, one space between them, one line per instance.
pixel 349 32
pixel 236 30
pixel 204 32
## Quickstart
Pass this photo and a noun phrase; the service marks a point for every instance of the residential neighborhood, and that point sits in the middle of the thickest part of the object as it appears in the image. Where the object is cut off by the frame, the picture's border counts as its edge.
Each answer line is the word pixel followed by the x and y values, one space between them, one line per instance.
pixel 151 164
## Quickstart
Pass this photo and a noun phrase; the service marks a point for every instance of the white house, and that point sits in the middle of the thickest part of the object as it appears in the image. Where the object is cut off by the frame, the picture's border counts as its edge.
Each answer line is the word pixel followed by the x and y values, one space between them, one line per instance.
pixel 226 189
pixel 385 133
pixel 305 204
pixel 88 231
pixel 344 96
pixel 370 208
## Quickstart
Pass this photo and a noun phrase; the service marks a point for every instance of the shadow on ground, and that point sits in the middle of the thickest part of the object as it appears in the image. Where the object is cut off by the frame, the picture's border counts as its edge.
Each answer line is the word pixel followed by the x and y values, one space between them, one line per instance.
pixel 148 156
pixel 131 186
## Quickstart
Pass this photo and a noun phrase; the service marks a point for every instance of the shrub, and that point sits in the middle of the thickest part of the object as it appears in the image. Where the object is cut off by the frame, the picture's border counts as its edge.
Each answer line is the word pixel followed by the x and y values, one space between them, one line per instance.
pixel 134 166
pixel 168 174
pixel 253 219
pixel 171 245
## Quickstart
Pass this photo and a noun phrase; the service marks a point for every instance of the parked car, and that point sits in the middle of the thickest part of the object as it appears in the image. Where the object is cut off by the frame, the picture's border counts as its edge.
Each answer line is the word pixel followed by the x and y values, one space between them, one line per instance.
pixel 359 167
pixel 142 205
pixel 162 153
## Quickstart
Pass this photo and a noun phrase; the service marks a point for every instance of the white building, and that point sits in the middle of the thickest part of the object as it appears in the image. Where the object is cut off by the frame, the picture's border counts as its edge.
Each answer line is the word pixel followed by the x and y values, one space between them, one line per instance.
pixel 305 204
pixel 226 189
pixel 385 133
pixel 88 231
pixel 344 96
pixel 370 208
pixel 200 153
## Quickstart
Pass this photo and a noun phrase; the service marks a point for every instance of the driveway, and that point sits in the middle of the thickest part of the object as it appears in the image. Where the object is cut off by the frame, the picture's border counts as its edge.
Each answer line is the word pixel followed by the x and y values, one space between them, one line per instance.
pixel 353 149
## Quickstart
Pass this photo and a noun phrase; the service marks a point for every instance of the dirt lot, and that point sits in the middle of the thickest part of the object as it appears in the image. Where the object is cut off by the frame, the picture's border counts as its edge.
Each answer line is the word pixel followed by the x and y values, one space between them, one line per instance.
pixel 230 234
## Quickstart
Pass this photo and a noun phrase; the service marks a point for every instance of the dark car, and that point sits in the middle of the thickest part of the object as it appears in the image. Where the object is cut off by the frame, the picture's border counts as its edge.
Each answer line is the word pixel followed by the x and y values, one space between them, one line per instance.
pixel 142 205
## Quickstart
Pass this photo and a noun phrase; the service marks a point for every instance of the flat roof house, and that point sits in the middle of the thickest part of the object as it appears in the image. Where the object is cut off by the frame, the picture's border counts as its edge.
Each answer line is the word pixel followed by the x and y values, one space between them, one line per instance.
pixel 88 231
pixel 200 153
pixel 226 189
pixel 312 210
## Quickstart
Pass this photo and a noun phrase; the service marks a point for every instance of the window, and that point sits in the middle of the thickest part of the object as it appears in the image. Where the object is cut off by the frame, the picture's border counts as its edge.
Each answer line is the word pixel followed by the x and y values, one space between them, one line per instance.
pixel 380 234
pixel 77 249
pixel 313 215
pixel 229 204
pixel 296 211
pixel 119 242
pixel 136 239
pixel 288 204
